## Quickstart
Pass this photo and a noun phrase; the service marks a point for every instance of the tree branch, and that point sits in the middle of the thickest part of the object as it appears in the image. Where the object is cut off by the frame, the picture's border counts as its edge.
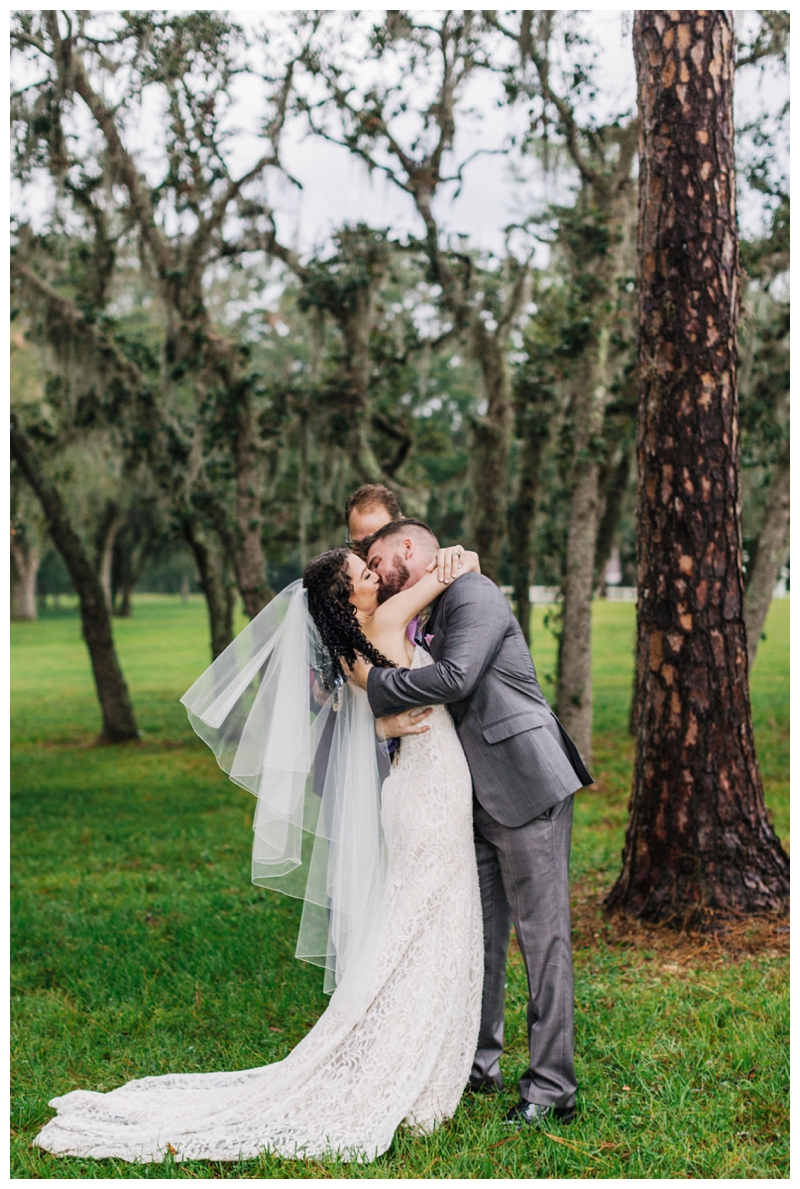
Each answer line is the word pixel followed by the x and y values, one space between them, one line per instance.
pixel 69 315
pixel 73 72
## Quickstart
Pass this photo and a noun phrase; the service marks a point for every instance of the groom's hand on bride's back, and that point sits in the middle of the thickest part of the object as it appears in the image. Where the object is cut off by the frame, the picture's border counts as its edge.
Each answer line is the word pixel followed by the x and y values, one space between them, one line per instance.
pixel 391 726
pixel 407 722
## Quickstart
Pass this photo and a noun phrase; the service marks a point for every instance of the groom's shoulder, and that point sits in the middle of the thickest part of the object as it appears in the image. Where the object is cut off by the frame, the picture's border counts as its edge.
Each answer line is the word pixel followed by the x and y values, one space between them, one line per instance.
pixel 473 588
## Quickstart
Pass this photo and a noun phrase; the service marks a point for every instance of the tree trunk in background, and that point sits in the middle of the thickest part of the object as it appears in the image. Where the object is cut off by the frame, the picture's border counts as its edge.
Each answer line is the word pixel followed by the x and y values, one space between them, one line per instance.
pixel 119 724
pixel 613 215
pixel 355 321
pixel 491 436
pixel 124 611
pixel 533 430
pixel 575 653
pixel 699 844
pixel 769 553
pixel 217 596
pixel 24 569
pixel 250 562
pixel 303 493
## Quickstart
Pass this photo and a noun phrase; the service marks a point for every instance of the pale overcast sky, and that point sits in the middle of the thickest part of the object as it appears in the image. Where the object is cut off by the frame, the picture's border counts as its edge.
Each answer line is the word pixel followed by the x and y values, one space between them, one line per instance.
pixel 337 188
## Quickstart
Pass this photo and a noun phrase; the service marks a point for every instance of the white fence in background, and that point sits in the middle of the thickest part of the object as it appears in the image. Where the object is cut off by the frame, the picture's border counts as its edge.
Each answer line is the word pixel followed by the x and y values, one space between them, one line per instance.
pixel 536 594
pixel 620 594
pixel 552 594
pixel 781 590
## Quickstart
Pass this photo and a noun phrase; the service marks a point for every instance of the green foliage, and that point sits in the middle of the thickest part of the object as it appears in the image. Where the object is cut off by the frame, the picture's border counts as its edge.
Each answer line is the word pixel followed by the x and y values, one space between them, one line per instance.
pixel 287 326
pixel 140 945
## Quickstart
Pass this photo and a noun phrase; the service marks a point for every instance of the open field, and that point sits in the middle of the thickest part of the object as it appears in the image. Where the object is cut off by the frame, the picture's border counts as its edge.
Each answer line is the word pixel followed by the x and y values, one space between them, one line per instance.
pixel 141 946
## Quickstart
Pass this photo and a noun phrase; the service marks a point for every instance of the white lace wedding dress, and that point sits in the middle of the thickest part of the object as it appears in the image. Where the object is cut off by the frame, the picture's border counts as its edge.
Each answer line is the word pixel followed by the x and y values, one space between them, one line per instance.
pixel 397 1040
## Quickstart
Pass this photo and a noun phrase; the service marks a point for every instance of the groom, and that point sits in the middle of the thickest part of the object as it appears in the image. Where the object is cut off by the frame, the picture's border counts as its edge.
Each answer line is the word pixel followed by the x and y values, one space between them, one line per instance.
pixel 525 770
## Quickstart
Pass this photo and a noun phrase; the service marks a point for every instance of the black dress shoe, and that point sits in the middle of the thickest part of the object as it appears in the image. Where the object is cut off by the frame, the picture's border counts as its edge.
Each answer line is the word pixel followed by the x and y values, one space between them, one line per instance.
pixel 484 1085
pixel 534 1112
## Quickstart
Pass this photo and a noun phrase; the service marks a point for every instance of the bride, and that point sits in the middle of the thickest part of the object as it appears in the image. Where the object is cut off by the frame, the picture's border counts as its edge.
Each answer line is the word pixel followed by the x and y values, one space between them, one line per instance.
pixel 389 879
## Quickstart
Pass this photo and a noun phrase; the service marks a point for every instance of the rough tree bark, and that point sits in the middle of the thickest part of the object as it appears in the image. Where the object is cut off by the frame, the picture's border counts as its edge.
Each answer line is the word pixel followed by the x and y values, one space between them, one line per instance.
pixel 699 846
pixel 24 569
pixel 119 724
pixel 765 565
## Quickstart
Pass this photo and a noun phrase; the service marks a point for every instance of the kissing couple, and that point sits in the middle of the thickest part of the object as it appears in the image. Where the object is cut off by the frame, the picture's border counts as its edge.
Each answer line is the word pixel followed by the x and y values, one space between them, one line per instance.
pixel 412 865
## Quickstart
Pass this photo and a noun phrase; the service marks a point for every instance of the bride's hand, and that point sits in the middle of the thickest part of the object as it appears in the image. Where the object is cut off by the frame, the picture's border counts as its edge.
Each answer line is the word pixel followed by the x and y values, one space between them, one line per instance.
pixel 454 561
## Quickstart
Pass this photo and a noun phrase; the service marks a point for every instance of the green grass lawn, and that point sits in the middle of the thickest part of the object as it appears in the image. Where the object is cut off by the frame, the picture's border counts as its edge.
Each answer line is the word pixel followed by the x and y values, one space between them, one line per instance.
pixel 141 946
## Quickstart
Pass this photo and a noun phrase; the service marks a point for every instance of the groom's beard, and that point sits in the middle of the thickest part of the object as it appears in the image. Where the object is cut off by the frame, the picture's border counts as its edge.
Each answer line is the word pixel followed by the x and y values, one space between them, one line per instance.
pixel 393 582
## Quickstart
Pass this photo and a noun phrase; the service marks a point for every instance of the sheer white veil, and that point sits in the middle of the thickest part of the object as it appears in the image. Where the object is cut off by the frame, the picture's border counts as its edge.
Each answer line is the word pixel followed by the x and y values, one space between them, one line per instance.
pixel 311 761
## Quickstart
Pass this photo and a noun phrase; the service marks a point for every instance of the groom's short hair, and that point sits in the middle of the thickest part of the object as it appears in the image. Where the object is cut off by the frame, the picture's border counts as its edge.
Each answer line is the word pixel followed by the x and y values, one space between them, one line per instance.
pixel 406 527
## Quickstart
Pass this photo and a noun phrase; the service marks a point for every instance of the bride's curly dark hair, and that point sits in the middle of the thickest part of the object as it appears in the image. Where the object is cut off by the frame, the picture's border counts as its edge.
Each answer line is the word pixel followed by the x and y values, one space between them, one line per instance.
pixel 327 580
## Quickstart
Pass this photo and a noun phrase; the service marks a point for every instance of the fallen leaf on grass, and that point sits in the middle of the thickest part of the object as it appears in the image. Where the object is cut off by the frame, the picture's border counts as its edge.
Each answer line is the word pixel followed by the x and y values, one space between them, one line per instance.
pixel 509 1139
pixel 568 1143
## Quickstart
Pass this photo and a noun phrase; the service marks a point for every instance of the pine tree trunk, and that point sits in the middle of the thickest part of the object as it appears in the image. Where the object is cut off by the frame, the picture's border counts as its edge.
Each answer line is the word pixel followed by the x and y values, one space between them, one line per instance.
pixel 699 845
pixel 25 567
pixel 119 724
pixel 769 553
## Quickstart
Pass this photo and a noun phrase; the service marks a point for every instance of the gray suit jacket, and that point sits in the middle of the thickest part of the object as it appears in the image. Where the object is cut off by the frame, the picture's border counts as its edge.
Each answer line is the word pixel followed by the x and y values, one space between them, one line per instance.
pixel 521 758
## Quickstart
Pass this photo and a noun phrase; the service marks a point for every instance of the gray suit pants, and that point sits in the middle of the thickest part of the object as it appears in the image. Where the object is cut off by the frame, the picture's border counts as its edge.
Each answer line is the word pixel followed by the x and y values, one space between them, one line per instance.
pixel 524 877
